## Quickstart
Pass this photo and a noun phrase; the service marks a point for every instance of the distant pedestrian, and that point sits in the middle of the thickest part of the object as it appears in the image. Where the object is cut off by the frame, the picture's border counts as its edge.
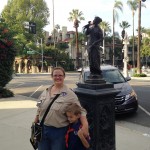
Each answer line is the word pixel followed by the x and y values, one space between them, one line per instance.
pixel 75 139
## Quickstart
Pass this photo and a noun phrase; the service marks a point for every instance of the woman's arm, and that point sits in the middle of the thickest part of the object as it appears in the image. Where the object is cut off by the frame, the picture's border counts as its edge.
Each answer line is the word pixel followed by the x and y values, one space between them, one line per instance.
pixel 85 125
pixel 36 119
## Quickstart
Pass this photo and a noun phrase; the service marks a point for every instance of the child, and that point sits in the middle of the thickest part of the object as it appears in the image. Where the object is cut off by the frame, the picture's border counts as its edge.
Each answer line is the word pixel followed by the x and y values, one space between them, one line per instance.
pixel 75 140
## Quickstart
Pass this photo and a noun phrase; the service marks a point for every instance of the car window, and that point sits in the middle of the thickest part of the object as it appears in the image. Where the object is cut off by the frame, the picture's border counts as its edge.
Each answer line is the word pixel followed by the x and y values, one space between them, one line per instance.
pixel 85 75
pixel 112 76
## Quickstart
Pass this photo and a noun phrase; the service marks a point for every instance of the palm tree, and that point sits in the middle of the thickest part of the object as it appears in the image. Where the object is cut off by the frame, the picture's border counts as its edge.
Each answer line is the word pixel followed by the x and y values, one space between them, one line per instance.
pixel 124 25
pixel 76 17
pixel 145 48
pixel 105 26
pixel 133 5
pixel 117 5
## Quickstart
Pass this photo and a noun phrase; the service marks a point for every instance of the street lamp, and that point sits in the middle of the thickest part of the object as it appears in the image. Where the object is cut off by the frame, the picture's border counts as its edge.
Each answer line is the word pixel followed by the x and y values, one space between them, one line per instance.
pixel 126 58
pixel 41 44
pixel 42 53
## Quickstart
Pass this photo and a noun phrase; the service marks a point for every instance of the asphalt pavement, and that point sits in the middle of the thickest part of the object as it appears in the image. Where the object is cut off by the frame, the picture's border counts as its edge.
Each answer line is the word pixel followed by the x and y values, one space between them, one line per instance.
pixel 17 114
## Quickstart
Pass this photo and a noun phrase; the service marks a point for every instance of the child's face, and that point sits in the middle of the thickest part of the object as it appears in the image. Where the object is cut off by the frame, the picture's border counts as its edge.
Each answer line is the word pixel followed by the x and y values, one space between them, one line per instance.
pixel 71 117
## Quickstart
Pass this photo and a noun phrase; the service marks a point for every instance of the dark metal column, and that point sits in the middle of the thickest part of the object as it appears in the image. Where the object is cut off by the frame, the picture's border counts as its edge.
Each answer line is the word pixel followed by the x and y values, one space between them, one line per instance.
pixel 97 97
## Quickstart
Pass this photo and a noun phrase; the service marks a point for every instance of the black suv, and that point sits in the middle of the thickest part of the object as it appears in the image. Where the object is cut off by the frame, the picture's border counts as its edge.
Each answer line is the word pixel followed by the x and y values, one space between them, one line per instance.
pixel 126 100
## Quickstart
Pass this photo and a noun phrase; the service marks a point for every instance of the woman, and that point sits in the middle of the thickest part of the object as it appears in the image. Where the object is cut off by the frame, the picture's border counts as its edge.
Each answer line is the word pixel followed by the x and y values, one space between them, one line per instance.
pixel 56 123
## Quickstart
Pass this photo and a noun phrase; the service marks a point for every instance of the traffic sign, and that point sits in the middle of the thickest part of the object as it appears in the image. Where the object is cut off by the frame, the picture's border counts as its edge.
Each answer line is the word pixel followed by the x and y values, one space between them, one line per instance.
pixel 126 58
pixel 30 52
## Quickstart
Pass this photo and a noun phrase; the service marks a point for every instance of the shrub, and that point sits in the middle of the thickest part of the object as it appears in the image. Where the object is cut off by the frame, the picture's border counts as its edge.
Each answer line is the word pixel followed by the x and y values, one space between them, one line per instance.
pixel 7 56
pixel 5 93
pixel 140 75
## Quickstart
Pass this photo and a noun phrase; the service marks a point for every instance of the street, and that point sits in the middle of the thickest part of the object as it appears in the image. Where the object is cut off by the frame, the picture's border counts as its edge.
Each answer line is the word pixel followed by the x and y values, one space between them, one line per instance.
pixel 142 117
pixel 32 85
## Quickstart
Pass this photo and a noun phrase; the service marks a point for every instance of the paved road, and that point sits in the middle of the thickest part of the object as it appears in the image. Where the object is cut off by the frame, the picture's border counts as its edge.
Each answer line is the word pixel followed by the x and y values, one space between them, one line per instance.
pixel 32 85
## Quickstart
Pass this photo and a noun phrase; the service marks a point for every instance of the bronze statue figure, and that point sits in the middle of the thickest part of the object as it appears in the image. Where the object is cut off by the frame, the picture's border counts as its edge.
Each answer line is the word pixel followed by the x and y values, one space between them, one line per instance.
pixel 95 37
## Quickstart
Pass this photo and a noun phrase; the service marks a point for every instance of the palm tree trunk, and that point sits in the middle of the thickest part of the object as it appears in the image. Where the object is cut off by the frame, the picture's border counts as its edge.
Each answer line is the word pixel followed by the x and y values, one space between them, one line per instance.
pixel 77 48
pixel 139 40
pixel 133 51
pixel 113 39
pixel 53 24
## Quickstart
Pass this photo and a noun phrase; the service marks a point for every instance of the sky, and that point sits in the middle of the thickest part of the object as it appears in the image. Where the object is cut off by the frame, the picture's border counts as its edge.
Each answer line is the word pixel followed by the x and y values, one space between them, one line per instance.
pixel 90 9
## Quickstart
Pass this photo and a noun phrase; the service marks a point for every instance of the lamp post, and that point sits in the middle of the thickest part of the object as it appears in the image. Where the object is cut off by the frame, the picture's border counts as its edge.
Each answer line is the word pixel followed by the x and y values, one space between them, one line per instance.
pixel 113 48
pixel 41 44
pixel 126 59
pixel 42 53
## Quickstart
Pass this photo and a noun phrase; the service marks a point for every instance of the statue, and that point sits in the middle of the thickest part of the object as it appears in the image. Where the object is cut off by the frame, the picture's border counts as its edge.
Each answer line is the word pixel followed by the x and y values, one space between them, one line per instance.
pixel 95 37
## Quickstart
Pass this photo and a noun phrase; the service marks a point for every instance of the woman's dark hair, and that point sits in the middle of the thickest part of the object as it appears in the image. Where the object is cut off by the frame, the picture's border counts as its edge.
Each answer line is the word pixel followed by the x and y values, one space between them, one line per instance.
pixel 58 68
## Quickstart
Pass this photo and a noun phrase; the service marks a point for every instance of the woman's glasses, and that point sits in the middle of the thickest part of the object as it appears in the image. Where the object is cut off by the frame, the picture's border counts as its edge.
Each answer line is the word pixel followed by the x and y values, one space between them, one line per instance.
pixel 59 76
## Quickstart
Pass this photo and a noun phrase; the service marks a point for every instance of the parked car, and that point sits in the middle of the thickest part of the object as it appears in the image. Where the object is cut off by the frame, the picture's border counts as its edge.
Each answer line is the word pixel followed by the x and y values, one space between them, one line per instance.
pixel 126 100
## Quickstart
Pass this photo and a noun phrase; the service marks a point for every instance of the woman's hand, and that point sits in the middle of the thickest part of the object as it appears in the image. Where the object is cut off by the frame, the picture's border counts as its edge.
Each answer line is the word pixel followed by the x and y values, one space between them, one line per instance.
pixel 36 120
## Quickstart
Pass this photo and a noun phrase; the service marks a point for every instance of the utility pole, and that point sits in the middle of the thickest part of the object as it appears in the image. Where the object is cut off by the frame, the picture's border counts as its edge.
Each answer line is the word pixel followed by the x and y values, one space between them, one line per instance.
pixel 113 58
pixel 41 46
pixel 42 53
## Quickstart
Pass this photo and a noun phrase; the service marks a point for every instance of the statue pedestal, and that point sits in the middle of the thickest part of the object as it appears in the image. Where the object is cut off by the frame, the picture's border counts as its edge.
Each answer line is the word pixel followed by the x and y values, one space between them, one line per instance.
pixel 97 97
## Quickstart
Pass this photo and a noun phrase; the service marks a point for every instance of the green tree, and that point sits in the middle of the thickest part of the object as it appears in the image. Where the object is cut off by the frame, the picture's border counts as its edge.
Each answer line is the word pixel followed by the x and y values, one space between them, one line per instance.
pixel 145 48
pixel 81 40
pixel 7 56
pixel 124 25
pixel 139 37
pixel 17 12
pixel 133 5
pixel 76 16
pixel 58 57
pixel 117 6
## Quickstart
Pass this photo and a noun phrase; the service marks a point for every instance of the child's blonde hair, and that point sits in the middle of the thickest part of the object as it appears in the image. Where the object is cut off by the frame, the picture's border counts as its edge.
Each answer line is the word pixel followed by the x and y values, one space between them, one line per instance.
pixel 73 108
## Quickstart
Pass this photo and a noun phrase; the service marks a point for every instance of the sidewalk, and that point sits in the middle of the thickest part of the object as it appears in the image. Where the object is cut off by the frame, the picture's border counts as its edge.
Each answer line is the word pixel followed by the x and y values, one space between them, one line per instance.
pixel 142 78
pixel 17 113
